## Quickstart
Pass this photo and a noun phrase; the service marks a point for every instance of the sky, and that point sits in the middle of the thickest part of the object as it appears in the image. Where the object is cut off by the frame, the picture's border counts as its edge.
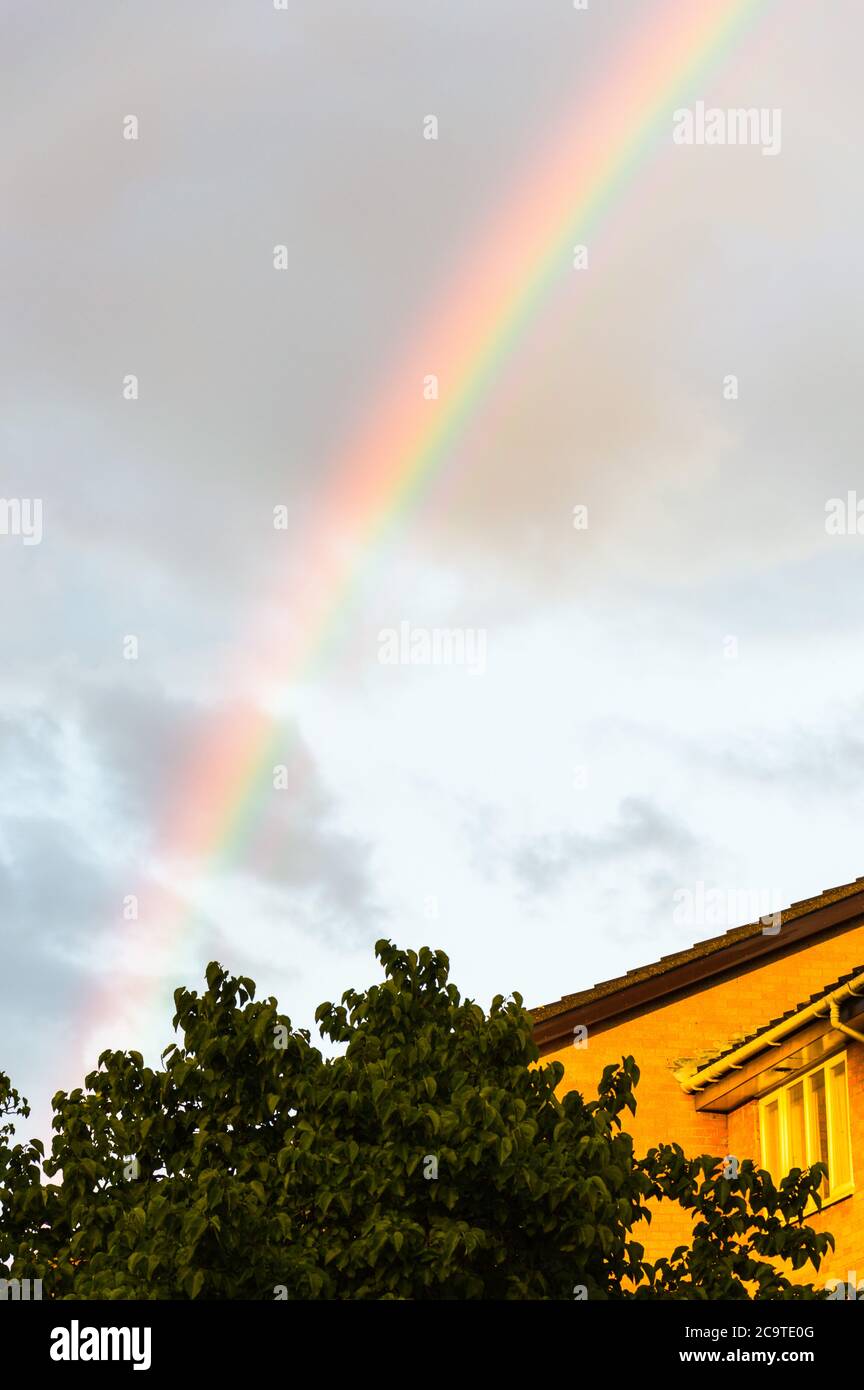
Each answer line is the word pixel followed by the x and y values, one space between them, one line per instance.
pixel 659 692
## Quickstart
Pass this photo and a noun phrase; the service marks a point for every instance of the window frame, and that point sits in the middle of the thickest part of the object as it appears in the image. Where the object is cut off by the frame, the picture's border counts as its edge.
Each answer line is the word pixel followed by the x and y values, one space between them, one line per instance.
pixel 780 1094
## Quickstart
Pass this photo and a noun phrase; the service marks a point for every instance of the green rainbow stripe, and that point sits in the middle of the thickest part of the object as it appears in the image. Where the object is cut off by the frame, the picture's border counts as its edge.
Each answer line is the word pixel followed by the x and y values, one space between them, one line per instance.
pixel 389 468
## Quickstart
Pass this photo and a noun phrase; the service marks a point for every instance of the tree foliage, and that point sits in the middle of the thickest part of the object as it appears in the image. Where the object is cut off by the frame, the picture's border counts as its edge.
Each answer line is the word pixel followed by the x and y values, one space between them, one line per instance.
pixel 431 1158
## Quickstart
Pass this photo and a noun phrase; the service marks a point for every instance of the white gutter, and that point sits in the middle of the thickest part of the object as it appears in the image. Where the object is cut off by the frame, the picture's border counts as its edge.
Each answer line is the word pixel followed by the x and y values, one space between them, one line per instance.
pixel 834 1014
pixel 733 1061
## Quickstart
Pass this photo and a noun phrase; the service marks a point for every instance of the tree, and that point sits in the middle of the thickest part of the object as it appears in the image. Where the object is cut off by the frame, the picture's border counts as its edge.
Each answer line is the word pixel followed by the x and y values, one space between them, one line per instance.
pixel 432 1158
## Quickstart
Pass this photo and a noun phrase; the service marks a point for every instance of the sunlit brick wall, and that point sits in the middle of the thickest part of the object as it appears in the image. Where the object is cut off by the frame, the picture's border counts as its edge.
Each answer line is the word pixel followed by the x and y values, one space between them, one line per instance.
pixel 708 1019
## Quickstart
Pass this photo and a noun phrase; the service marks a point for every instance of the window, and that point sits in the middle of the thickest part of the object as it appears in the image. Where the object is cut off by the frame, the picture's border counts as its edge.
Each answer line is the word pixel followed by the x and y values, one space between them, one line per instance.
pixel 808 1122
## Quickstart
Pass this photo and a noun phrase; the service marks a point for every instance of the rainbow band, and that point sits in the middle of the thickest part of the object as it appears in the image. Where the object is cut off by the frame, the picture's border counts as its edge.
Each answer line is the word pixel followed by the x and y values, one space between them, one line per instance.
pixel 387 471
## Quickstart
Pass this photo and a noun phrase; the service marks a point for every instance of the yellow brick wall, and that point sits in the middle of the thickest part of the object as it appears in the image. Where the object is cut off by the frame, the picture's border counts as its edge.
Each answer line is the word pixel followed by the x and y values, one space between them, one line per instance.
pixel 709 1018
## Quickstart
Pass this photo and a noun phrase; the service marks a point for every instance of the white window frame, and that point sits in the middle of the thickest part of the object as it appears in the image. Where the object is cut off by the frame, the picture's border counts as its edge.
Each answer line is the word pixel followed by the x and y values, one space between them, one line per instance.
pixel 781 1095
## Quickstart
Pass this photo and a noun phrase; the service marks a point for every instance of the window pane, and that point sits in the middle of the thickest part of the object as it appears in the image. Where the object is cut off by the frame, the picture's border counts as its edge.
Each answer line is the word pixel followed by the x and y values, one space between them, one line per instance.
pixel 841 1172
pixel 797 1127
pixel 771 1139
pixel 818 1123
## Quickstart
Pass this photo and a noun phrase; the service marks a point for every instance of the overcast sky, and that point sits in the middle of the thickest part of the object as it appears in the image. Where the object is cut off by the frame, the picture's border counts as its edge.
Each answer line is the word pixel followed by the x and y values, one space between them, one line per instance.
pixel 672 696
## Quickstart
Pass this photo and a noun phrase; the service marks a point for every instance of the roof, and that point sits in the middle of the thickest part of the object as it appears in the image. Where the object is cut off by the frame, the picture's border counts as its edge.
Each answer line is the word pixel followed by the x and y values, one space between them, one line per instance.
pixel 773 1022
pixel 733 950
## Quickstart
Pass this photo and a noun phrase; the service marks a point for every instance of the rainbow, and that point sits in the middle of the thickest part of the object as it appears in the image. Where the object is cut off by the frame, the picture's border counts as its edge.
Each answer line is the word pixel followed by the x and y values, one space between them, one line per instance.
pixel 406 442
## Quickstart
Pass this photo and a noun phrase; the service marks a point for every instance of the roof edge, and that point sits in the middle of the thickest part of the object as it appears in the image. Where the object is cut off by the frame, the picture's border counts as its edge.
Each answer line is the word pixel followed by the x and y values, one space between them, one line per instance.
pixel 697 1080
pixel 637 991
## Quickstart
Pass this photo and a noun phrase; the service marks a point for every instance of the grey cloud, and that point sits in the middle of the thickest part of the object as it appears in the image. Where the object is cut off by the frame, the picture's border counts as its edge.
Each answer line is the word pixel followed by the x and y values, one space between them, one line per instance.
pixel 811 762
pixel 642 837
pixel 148 747
pixel 642 828
pixel 250 380
pixel 30 756
pixel 50 883
pixel 61 891
pixel 59 905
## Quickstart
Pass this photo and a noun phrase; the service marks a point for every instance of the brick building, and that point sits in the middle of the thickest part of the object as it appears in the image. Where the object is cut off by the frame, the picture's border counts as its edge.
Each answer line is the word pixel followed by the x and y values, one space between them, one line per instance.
pixel 750 1044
